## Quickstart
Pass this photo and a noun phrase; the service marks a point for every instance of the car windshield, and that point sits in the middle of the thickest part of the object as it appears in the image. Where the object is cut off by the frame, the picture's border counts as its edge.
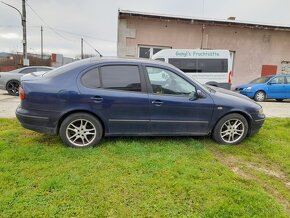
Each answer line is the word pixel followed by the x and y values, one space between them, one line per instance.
pixel 262 79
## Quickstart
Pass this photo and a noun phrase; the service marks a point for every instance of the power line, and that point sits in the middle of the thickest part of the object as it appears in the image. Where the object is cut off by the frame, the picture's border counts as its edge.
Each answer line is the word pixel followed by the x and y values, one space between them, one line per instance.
pixel 60 35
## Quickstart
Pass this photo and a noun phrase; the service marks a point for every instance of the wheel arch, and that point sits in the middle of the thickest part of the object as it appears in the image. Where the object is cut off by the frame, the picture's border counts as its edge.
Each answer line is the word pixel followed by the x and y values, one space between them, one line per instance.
pixel 80 111
pixel 243 113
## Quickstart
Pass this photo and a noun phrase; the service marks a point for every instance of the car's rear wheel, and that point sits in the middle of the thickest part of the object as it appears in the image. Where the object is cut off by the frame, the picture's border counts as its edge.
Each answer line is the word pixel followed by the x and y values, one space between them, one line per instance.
pixel 81 130
pixel 231 129
pixel 12 87
pixel 279 100
pixel 260 96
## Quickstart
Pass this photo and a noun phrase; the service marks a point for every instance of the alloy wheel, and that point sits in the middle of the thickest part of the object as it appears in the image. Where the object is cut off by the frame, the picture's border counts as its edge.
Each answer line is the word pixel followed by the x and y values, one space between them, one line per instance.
pixel 81 132
pixel 232 130
pixel 13 88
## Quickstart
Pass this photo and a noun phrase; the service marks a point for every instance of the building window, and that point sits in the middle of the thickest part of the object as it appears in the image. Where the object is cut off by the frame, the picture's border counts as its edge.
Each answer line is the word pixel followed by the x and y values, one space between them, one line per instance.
pixel 148 51
pixel 285 67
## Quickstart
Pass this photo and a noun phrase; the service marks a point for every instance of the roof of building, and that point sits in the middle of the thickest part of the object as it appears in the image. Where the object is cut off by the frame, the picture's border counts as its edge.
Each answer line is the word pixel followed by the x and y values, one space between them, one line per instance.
pixel 199 20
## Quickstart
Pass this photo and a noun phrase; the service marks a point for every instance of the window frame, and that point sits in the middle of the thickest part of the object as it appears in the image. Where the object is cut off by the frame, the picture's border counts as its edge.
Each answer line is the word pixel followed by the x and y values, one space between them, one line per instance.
pixel 151 48
pixel 141 74
pixel 85 72
pixel 149 86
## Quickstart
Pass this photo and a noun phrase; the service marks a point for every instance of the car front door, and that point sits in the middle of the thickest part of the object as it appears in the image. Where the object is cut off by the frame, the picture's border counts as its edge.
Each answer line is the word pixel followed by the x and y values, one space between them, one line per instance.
pixel 172 110
pixel 119 98
pixel 276 87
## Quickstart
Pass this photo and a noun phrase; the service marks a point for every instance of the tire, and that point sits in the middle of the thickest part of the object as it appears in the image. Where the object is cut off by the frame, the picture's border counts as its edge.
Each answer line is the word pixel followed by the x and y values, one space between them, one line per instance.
pixel 231 129
pixel 279 100
pixel 12 87
pixel 260 96
pixel 81 130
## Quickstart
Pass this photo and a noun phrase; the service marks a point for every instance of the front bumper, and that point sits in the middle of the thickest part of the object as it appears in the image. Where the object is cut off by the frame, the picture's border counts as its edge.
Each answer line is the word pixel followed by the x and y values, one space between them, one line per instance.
pixel 256 126
pixel 247 93
pixel 35 122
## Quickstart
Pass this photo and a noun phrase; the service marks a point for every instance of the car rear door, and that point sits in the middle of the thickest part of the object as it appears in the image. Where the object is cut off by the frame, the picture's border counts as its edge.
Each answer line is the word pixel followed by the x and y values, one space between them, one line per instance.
pixel 120 98
pixel 171 109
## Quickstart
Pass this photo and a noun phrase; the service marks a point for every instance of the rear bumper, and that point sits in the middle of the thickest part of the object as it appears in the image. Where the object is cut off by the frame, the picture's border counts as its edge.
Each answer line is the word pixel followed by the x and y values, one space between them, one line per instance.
pixel 35 122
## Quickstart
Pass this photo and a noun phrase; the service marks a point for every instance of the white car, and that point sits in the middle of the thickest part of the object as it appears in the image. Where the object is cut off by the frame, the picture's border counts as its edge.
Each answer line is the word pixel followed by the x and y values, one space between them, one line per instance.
pixel 10 81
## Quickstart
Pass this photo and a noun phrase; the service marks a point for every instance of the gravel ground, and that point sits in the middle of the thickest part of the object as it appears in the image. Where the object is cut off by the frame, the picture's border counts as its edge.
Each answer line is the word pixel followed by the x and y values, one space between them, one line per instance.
pixel 8 105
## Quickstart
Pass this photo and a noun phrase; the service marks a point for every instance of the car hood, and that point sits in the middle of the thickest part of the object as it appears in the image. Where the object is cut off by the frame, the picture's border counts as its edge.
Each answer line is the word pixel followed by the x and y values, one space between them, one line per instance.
pixel 229 96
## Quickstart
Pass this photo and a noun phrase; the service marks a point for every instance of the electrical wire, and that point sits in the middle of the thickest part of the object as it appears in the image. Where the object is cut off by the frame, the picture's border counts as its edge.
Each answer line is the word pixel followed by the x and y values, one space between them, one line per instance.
pixel 56 32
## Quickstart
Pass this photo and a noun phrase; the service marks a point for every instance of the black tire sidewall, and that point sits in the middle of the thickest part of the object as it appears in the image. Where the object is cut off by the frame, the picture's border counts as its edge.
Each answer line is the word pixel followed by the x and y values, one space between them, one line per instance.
pixel 91 118
pixel 216 132
pixel 13 81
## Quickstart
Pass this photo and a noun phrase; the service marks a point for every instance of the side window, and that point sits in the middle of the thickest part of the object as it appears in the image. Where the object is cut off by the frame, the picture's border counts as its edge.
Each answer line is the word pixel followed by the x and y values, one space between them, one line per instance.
pixel 288 79
pixel 186 65
pixel 277 80
pixel 168 83
pixel 43 69
pixel 91 79
pixel 126 78
pixel 28 70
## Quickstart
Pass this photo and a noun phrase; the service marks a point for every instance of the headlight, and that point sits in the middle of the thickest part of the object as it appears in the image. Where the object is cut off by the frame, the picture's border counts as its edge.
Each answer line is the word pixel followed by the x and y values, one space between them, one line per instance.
pixel 248 89
pixel 261 112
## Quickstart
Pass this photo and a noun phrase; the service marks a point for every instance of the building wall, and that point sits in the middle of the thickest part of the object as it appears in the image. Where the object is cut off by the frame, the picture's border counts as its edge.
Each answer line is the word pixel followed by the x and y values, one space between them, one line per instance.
pixel 253 47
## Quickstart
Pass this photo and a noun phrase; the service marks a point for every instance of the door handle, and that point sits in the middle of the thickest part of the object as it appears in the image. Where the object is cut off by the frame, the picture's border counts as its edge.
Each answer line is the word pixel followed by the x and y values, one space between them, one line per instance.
pixel 157 102
pixel 97 99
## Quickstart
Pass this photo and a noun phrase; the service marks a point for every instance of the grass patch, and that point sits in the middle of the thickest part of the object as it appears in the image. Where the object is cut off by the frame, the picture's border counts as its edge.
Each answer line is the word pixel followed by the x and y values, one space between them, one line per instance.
pixel 169 177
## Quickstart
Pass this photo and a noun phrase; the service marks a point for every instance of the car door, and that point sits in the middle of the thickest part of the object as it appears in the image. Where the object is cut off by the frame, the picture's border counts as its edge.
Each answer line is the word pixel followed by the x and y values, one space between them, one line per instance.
pixel 287 86
pixel 172 110
pixel 276 87
pixel 117 94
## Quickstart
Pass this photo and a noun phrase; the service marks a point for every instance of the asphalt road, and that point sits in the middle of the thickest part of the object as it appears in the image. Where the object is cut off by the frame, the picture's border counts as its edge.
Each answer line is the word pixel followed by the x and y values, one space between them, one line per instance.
pixel 8 105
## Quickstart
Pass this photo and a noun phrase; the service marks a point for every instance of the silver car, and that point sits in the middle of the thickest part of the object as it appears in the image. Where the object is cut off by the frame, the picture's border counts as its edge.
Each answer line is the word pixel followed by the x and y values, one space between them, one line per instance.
pixel 10 81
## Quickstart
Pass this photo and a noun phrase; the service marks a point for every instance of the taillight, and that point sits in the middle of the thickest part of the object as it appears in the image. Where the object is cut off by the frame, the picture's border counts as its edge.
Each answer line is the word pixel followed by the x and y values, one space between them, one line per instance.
pixel 21 93
pixel 230 78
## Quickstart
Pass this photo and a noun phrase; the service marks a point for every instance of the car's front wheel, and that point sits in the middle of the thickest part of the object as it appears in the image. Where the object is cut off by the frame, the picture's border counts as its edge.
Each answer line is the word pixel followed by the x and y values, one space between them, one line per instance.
pixel 12 87
pixel 231 129
pixel 260 96
pixel 81 130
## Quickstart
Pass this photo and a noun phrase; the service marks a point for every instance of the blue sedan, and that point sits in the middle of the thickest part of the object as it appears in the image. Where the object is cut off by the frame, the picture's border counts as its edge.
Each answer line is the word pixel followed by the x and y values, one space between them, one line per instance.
pixel 87 100
pixel 267 87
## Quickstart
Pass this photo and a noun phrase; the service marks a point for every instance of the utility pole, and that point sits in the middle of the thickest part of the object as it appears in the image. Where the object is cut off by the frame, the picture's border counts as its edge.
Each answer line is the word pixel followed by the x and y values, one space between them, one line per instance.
pixel 82 48
pixel 25 60
pixel 41 30
pixel 23 22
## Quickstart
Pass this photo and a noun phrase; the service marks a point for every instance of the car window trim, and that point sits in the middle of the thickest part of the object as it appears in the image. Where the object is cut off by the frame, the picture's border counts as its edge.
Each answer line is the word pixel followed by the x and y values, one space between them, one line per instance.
pixel 141 75
pixel 149 86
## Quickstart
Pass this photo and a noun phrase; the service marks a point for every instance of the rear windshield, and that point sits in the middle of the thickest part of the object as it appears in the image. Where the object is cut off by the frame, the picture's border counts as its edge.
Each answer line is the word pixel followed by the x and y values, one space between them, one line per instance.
pixel 200 65
pixel 65 68
pixel 262 79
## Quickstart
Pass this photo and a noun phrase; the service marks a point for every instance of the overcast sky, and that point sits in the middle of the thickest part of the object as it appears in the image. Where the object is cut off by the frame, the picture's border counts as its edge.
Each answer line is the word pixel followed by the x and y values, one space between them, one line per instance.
pixel 66 21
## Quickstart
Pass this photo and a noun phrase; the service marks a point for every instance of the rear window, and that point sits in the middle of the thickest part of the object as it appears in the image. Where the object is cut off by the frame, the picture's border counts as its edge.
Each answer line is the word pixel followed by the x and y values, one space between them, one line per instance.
pixel 200 65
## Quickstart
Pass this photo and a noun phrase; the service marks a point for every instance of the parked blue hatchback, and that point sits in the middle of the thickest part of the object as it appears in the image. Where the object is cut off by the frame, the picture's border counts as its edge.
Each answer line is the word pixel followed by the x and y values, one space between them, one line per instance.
pixel 267 87
pixel 89 99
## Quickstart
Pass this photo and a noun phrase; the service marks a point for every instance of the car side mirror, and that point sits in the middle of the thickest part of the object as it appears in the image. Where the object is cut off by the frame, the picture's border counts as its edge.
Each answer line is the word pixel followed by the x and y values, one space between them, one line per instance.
pixel 196 95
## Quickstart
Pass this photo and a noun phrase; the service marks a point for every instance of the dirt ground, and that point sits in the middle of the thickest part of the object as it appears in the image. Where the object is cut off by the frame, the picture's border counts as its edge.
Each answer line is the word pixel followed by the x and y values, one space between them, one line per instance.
pixel 8 105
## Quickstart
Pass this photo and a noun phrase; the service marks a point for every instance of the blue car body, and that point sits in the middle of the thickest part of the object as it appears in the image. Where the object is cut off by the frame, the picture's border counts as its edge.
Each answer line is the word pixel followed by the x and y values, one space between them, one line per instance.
pixel 274 87
pixel 53 96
